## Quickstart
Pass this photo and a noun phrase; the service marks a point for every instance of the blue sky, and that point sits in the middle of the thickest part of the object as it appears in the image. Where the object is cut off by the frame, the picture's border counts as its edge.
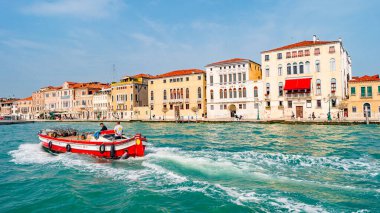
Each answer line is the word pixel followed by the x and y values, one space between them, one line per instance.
pixel 48 42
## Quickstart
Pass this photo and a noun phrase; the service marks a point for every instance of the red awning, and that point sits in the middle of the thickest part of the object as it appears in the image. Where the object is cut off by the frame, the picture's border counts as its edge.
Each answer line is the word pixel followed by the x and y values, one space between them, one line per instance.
pixel 297 84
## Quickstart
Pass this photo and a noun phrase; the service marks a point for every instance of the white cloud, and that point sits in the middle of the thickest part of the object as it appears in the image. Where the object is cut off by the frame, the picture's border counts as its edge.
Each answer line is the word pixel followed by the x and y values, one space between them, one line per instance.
pixel 23 43
pixel 147 40
pixel 76 8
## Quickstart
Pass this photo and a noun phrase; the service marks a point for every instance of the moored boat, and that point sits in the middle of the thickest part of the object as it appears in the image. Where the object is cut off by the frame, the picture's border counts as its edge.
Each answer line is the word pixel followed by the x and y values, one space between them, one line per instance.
pixel 102 144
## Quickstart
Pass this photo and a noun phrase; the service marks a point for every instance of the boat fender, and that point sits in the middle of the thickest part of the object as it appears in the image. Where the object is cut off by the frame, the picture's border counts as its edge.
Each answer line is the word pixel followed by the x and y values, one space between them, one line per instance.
pixel 125 155
pixel 54 134
pixel 102 148
pixel 68 148
pixel 50 145
pixel 113 152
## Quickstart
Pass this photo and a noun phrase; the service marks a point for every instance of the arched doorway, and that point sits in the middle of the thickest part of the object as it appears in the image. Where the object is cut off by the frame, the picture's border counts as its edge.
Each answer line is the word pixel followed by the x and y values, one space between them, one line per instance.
pixel 232 109
pixel 367 107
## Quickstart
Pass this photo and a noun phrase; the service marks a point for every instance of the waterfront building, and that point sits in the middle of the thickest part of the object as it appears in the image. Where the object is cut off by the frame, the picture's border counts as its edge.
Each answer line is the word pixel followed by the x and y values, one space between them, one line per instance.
pixel 52 100
pixel 82 105
pixel 364 98
pixel 305 79
pixel 102 103
pixel 130 92
pixel 234 89
pixel 6 106
pixel 178 95
pixel 22 108
pixel 38 103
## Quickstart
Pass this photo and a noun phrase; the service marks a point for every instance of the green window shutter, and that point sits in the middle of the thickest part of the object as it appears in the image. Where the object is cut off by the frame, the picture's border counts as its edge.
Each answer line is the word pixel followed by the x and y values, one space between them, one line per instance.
pixel 362 92
pixel 378 89
pixel 353 90
pixel 369 91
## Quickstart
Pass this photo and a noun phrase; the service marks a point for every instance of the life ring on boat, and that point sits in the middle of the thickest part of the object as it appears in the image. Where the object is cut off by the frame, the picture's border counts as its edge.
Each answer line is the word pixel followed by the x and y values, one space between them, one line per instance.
pixel 125 155
pixel 68 148
pixel 113 152
pixel 102 148
pixel 50 145
pixel 54 134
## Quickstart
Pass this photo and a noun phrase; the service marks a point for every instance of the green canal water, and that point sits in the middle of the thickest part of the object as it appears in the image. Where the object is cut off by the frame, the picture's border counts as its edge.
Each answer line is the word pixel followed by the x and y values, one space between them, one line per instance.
pixel 231 167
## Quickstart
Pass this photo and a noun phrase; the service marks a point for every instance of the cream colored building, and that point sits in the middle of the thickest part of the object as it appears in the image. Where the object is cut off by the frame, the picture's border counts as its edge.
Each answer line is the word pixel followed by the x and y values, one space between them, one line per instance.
pixel 178 95
pixel 23 108
pixel 364 98
pixel 130 92
pixel 305 78
pixel 102 103
pixel 234 89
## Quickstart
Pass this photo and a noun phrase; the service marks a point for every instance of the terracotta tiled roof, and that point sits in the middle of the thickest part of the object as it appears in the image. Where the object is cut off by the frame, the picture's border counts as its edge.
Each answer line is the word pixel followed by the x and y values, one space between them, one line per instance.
pixel 26 99
pixel 229 61
pixel 300 44
pixel 91 85
pixel 143 76
pixel 365 78
pixel 180 72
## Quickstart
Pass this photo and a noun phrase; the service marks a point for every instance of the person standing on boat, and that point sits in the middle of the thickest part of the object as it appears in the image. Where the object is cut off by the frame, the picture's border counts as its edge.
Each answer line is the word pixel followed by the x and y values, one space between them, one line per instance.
pixel 118 130
pixel 104 128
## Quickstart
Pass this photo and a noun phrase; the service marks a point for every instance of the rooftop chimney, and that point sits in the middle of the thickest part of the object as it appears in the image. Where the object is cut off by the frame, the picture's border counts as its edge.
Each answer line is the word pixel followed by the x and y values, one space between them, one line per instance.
pixel 314 38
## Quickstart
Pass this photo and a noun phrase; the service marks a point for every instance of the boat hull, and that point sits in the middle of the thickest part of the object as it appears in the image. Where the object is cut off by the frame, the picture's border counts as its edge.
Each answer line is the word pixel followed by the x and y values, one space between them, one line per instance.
pixel 132 147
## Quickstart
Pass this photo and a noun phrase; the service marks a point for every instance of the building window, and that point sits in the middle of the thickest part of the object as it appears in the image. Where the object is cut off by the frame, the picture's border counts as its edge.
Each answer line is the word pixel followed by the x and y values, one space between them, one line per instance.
pixel 151 96
pixel 279 70
pixel 151 82
pixel 353 90
pixel 267 71
pixel 220 79
pixel 240 93
pixel 225 93
pixel 300 53
pixel 294 54
pixel 268 103
pixel 288 55
pixel 187 93
pixel 234 77
pixel 317 66
pixel 221 94
pixel 255 92
pixel 354 109
pixel 266 57
pixel 240 106
pixel 211 80
pixel 307 67
pixel 366 110
pixel 289 69
pixel 333 102
pixel 230 92
pixel 378 89
pixel 225 79
pixel 212 94
pixel 199 92
pixel 307 52
pixel 362 92
pixel 369 91
pixel 317 51
pixel 319 104
pixel 280 89
pixel 230 78
pixel 290 104
pixel 199 106
pixel 199 77
pixel 279 55
pixel 235 93
pixel 332 49
pixel 211 107
pixel 333 85
pixel 164 81
pixel 164 94
pixel 295 68
pixel 244 77
pixel 244 92
pixel 239 77
pixel 301 67
pixel 332 64
pixel 267 89
pixel 187 78
pixel 308 103
pixel 280 103
pixel 318 87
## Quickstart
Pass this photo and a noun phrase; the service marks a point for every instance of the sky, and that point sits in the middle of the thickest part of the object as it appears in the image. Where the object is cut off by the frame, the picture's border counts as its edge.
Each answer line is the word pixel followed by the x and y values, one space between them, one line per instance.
pixel 47 42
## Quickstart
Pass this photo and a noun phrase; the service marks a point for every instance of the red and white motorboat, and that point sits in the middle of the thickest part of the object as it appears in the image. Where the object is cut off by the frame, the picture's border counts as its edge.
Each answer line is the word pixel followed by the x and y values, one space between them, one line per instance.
pixel 103 145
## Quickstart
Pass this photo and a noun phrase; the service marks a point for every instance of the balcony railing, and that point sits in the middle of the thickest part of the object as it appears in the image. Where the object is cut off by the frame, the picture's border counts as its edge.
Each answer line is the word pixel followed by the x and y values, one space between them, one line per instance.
pixel 298 95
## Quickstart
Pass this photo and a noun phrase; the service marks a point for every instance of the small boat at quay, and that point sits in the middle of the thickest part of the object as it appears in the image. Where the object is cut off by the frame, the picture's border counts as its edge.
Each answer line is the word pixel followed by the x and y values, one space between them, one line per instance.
pixel 101 144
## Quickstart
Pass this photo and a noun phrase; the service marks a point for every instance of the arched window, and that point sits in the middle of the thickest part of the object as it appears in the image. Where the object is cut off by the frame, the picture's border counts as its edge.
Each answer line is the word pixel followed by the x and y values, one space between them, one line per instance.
pixel 367 110
pixel 240 93
pixel 280 89
pixel 267 71
pixel 244 92
pixel 230 92
pixel 301 67
pixel 332 64
pixel 267 89
pixel 307 67
pixel 211 94
pixel 199 92
pixel 318 87
pixel 279 69
pixel 181 93
pixel 255 92
pixel 333 85
pixel 225 93
pixel 289 69
pixel 164 94
pixel 178 94
pixel 151 96
pixel 221 94
pixel 187 93
pixel 317 66
pixel 235 93
pixel 295 68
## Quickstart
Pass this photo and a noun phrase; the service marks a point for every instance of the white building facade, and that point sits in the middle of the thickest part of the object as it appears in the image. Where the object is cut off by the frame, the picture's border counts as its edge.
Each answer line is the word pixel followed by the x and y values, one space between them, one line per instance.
pixel 102 104
pixel 305 80
pixel 234 89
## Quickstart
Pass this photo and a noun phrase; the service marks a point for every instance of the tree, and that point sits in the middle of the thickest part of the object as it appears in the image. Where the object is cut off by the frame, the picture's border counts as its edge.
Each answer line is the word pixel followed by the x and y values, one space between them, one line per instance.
pixel 195 110
pixel 165 110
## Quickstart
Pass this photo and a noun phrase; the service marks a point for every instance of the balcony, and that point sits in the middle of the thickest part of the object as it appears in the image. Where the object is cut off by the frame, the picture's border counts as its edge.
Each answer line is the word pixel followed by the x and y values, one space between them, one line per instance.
pixel 298 95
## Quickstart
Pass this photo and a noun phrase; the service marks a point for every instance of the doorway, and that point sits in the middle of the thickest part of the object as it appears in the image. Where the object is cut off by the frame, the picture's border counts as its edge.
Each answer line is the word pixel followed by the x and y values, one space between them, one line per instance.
pixel 232 109
pixel 176 112
pixel 299 111
pixel 367 108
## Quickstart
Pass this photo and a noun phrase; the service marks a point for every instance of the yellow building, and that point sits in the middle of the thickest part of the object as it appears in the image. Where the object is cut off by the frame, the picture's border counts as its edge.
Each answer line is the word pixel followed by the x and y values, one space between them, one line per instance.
pixel 364 96
pixel 179 94
pixel 130 92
